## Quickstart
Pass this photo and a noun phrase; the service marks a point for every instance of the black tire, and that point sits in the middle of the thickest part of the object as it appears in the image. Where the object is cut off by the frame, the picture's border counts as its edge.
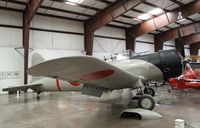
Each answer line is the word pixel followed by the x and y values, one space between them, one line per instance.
pixel 146 102
pixel 149 91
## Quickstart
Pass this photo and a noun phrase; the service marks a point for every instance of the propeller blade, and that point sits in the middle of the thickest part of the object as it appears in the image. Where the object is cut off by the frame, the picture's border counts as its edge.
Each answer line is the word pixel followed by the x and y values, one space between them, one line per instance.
pixel 181 43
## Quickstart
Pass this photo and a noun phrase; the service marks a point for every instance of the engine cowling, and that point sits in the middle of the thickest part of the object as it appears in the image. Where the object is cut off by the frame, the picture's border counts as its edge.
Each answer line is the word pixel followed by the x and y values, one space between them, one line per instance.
pixel 168 61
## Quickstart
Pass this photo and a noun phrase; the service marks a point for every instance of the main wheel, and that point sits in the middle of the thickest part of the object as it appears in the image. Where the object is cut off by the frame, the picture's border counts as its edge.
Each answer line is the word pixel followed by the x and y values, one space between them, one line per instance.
pixel 149 91
pixel 146 102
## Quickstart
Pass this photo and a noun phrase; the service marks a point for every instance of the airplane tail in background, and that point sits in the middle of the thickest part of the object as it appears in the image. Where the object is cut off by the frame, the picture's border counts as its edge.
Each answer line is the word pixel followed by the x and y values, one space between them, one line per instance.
pixel 36 59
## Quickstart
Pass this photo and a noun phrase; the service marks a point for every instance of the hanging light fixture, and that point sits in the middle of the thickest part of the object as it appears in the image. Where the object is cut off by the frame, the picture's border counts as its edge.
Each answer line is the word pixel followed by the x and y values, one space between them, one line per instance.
pixel 179 16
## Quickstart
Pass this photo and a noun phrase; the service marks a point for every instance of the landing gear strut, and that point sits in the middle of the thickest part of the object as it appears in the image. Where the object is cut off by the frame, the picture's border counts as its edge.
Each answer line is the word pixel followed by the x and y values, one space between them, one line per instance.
pixel 38 93
pixel 144 100
pixel 149 91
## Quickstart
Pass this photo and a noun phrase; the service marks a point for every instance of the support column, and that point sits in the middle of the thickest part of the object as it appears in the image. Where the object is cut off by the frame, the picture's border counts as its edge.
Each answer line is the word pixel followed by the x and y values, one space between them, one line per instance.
pixel 178 45
pixel 26 30
pixel 158 44
pixel 88 39
pixel 29 12
pixel 130 41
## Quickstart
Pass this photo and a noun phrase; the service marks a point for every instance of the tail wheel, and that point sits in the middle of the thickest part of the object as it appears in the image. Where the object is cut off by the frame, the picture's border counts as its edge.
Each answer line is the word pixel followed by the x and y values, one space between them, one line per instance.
pixel 146 102
pixel 149 91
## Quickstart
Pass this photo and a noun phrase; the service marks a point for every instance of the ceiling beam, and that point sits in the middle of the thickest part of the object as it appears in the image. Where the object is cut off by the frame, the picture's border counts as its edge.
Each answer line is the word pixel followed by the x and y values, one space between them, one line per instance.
pixel 188 40
pixel 172 34
pixel 166 18
pixel 73 12
pixel 102 18
pixel 29 12
pixel 31 8
pixel 130 41
pixel 191 39
pixel 111 12
pixel 177 2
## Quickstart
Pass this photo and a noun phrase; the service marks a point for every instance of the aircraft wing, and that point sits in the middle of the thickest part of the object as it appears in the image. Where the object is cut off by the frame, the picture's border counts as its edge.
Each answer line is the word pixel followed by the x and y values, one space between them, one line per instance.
pixel 87 70
pixel 34 87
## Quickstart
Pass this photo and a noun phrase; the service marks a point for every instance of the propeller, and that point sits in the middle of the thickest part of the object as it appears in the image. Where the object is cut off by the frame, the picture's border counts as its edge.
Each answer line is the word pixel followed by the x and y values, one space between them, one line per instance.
pixel 182 50
pixel 181 43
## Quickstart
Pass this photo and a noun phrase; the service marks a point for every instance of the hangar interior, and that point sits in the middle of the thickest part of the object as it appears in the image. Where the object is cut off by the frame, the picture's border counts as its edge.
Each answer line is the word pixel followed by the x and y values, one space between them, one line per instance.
pixel 98 28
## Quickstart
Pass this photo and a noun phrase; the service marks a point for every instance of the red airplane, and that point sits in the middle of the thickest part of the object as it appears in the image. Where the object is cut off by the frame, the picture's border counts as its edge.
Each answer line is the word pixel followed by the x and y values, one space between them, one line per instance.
pixel 188 79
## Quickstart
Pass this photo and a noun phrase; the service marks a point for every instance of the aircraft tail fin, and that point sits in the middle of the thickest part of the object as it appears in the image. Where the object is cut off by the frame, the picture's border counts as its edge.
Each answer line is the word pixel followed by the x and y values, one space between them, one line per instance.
pixel 36 59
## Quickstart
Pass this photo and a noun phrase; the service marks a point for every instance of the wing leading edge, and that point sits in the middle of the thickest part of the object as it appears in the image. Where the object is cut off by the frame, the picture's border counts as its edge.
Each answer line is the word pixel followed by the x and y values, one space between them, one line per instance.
pixel 87 70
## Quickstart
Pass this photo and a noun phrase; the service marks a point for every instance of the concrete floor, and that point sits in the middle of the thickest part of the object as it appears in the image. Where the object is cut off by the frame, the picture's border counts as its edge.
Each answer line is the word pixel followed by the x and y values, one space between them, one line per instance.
pixel 73 110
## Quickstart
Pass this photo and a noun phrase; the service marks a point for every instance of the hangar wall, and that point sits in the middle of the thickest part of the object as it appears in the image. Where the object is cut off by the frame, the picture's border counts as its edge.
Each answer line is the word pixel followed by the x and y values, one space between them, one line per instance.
pixel 11 67
pixel 144 43
pixel 171 45
pixel 54 38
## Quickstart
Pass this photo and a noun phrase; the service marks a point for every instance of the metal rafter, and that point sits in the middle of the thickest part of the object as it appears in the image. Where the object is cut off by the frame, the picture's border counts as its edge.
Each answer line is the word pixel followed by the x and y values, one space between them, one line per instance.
pixel 154 6
pixel 167 18
pixel 191 39
pixel 186 30
pixel 73 12
pixel 113 11
pixel 102 18
pixel 31 8
pixel 93 8
pixel 172 34
pixel 177 2
pixel 29 12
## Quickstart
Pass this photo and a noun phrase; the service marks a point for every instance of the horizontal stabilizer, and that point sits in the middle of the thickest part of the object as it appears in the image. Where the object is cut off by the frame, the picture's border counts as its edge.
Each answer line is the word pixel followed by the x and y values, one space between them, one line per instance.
pixel 34 87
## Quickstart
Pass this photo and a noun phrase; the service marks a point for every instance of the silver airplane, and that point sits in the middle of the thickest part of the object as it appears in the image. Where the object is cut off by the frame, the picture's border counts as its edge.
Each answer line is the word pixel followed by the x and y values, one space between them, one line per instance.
pixel 93 76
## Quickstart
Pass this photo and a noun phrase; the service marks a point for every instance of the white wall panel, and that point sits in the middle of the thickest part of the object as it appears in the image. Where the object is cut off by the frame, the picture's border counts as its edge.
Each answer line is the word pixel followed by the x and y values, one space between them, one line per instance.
pixel 67 25
pixel 10 18
pixel 187 50
pixel 170 42
pixel 57 24
pixel 111 32
pixel 61 41
pixel 5 36
pixel 11 61
pixel 165 47
pixel 146 38
pixel 50 40
pixel 144 47
pixel 144 43
pixel 10 37
pixel 108 45
pixel 31 39
pixel 16 37
pixel 77 42
pixel 42 39
pixel 41 22
pixel 169 45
